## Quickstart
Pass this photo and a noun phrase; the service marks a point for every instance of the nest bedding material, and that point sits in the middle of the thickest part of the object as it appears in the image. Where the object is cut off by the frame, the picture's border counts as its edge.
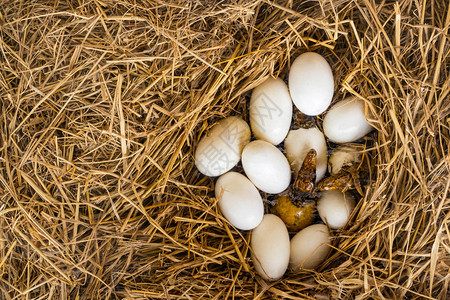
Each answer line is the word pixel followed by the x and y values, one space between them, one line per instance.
pixel 103 103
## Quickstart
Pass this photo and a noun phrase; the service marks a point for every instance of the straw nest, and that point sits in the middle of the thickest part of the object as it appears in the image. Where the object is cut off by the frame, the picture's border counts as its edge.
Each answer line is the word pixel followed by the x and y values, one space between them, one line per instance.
pixel 103 103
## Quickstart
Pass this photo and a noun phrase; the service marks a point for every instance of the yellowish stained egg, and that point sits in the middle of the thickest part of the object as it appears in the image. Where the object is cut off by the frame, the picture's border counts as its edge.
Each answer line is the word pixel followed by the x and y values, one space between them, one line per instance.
pixel 295 217
pixel 239 200
pixel 309 247
pixel 270 248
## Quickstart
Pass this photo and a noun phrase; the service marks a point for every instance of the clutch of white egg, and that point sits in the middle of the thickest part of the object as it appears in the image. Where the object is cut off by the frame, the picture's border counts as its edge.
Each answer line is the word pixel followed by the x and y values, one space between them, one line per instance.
pixel 311 88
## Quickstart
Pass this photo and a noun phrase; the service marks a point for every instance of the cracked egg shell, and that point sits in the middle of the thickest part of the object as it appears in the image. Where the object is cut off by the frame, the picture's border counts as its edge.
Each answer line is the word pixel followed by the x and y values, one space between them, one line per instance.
pixel 299 142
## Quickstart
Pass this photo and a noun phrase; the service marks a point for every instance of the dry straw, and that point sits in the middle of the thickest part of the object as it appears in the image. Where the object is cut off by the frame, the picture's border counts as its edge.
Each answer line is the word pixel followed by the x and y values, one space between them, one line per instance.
pixel 103 103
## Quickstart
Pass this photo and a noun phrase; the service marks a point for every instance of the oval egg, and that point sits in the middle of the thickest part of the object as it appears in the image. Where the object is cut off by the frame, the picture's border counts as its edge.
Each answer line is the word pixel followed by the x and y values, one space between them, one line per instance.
pixel 346 122
pixel 311 83
pixel 266 167
pixel 309 247
pixel 270 247
pixel 271 111
pixel 221 149
pixel 335 208
pixel 299 142
pixel 239 200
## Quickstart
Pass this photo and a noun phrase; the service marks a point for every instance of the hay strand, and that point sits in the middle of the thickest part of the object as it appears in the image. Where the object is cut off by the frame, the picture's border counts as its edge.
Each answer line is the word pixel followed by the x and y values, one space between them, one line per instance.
pixel 103 103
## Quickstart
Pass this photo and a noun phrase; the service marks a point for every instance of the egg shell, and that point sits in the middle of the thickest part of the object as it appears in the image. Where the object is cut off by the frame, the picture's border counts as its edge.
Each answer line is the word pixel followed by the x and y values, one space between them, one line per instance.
pixel 266 167
pixel 270 248
pixel 220 150
pixel 335 208
pixel 299 142
pixel 239 201
pixel 311 83
pixel 346 122
pixel 271 111
pixel 309 247
pixel 342 156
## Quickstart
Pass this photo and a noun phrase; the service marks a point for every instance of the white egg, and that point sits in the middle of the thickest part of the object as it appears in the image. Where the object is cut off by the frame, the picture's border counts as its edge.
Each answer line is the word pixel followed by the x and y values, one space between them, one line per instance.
pixel 221 149
pixel 266 167
pixel 342 156
pixel 345 122
pixel 270 248
pixel 311 83
pixel 335 208
pixel 271 111
pixel 299 142
pixel 239 201
pixel 309 247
